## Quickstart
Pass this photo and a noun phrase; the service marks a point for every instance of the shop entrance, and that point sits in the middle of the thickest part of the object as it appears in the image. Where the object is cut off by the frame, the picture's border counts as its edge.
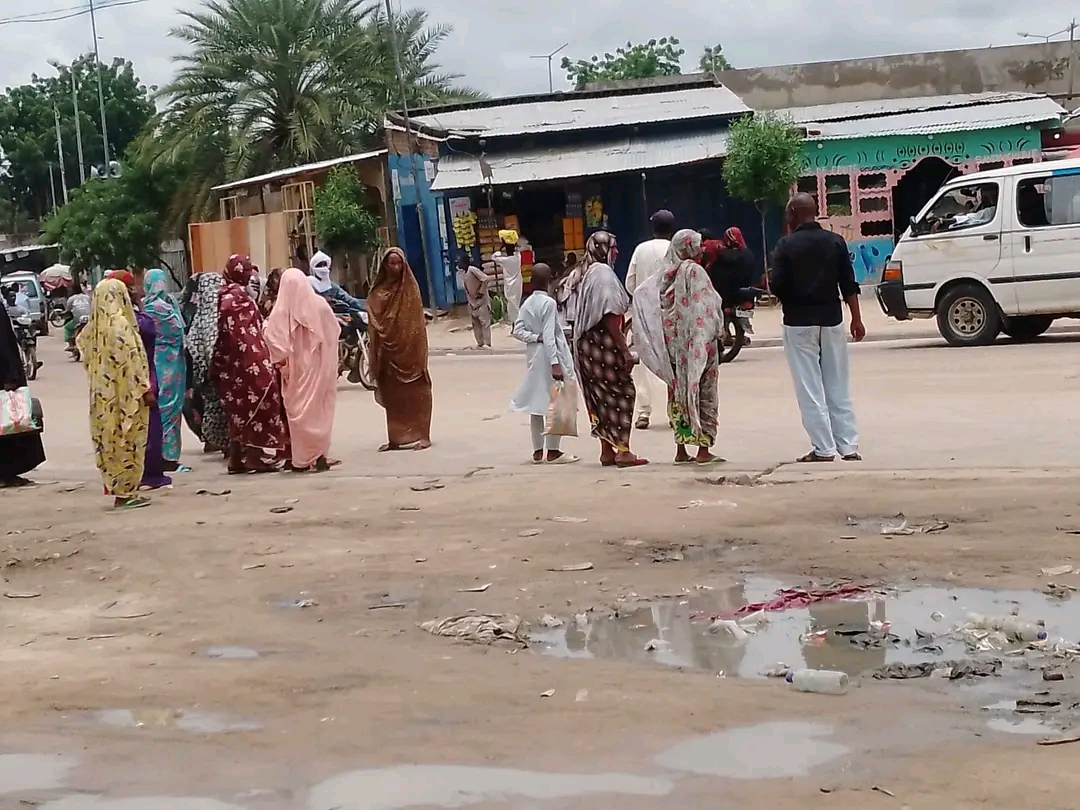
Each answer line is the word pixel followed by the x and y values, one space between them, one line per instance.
pixel 540 214
pixel 915 189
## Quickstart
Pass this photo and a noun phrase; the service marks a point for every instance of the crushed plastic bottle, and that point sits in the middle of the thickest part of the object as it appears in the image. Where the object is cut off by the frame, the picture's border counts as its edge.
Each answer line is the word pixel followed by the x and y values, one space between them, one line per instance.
pixel 820 681
pixel 1014 628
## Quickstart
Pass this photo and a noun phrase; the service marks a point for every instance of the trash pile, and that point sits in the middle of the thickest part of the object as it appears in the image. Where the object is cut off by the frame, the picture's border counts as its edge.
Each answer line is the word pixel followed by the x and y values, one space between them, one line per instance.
pixel 479 628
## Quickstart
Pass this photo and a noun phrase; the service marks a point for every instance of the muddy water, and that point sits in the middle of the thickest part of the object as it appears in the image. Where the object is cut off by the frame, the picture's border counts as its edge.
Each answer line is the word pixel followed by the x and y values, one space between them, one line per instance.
pixel 179 719
pixel 25 772
pixel 231 653
pixel 138 803
pixel 828 635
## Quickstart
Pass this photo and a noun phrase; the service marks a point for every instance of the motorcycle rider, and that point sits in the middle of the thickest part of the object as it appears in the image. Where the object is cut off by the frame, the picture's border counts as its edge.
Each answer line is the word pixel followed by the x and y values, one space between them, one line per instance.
pixel 76 310
pixel 334 293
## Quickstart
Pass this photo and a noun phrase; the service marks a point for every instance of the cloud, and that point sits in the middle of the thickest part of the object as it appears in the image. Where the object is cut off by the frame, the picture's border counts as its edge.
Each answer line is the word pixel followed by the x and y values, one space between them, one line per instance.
pixel 493 39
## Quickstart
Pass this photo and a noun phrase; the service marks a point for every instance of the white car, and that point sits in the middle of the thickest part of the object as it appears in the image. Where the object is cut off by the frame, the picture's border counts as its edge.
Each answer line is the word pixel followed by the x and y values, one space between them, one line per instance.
pixel 27 283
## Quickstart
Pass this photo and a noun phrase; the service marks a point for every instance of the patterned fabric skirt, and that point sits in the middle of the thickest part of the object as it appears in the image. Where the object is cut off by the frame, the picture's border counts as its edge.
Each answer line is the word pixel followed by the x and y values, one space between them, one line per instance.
pixel 215 424
pixel 608 389
pixel 708 407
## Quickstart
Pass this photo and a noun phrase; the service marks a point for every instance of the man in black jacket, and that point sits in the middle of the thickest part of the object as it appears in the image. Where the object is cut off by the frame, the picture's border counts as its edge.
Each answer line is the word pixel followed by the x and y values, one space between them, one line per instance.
pixel 810 275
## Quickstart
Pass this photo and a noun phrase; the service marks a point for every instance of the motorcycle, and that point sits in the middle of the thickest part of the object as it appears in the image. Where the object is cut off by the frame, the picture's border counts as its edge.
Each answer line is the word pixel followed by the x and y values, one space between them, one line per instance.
pixel 57 312
pixel 738 322
pixel 26 337
pixel 73 347
pixel 354 350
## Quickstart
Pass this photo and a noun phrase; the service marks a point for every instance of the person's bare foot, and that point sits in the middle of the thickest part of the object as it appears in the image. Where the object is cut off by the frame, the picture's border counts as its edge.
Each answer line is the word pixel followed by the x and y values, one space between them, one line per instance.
pixel 628 459
pixel 607 455
pixel 681 456
pixel 705 457
pixel 538 457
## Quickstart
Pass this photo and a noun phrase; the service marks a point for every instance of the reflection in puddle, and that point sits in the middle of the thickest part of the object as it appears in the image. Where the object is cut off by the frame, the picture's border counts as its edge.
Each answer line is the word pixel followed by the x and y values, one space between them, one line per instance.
pixel 1029 725
pixel 180 719
pixel 139 803
pixel 451 786
pixel 231 653
pixel 22 772
pixel 767 751
pixel 848 636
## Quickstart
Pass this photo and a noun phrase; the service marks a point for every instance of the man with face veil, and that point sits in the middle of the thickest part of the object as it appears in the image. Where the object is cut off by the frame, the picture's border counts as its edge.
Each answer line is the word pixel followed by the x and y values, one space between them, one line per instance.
pixel 399 354
pixel 244 375
pixel 302 336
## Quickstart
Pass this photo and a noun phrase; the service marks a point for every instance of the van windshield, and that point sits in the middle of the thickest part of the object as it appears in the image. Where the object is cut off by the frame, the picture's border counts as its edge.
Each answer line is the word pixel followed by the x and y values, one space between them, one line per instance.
pixel 960 208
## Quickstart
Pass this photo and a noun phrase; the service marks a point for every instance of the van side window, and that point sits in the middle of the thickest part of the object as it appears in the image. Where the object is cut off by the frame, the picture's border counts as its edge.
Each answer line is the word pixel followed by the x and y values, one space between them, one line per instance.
pixel 1046 201
pixel 961 208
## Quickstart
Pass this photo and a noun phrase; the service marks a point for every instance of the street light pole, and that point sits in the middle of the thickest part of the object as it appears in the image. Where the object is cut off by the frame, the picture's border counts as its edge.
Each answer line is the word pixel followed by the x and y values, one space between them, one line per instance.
pixel 100 89
pixel 549 57
pixel 1070 29
pixel 60 153
pixel 78 128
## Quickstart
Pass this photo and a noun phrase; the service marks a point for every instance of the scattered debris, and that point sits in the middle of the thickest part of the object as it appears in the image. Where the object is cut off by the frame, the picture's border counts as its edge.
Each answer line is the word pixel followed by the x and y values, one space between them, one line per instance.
pixel 789 598
pixel 953 670
pixel 562 519
pixel 582 696
pixel 387 605
pixel 1069 738
pixel 217 493
pixel 549 622
pixel 738 480
pixel 1059 590
pixel 73 488
pixel 254 566
pixel 548 693
pixel 281 510
pixel 480 628
pixel 491 418
pixel 427 487
pixel 408 508
pixel 703 504
pixel 14 595
pixel 657 644
pixel 1057 571
pixel 303 603
pixel 421 559
pixel 292 500
pixel 880 789
pixel 661 555
pixel 531 533
pixel 477 589
pixel 476 470
pixel 568 568
pixel 1053 675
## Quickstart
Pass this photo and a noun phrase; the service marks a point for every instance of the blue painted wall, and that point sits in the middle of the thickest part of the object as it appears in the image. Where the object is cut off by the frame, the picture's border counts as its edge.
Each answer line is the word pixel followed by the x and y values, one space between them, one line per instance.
pixel 408 228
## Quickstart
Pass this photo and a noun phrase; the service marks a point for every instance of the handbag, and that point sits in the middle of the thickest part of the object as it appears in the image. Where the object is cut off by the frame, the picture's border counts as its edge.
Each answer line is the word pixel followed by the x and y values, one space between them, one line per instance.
pixel 561 416
pixel 16 412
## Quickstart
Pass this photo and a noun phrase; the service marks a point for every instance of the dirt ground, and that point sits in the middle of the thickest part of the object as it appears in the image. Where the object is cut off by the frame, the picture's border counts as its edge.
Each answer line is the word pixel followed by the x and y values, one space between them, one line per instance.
pixel 106 611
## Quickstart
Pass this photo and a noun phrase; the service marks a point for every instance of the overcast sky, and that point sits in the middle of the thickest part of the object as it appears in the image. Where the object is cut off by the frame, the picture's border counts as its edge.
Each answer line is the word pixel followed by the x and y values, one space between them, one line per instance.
pixel 493 39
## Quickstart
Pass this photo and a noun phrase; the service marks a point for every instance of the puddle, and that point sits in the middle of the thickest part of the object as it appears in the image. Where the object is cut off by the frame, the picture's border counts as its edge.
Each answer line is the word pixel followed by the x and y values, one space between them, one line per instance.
pixel 452 786
pixel 179 719
pixel 1029 725
pixel 767 751
pixel 138 803
pixel 828 635
pixel 23 772
pixel 231 653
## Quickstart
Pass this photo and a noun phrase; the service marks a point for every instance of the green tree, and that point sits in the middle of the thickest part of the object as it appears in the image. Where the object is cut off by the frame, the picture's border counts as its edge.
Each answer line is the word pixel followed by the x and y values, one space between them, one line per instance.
pixel 713 59
pixel 28 126
pixel 764 160
pixel 268 84
pixel 342 219
pixel 115 222
pixel 657 57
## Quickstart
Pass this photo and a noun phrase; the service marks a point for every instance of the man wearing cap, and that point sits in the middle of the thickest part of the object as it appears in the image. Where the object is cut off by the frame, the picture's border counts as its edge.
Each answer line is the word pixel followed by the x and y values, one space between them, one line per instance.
pixel 508 260
pixel 648 259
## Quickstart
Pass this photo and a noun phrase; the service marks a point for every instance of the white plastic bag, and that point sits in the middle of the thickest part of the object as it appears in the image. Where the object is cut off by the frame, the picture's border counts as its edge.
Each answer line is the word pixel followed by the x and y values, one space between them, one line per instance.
pixel 561 416
pixel 16 412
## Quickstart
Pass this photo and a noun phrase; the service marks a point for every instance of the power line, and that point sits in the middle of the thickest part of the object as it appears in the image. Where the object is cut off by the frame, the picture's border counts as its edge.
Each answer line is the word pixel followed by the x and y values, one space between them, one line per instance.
pixel 59 15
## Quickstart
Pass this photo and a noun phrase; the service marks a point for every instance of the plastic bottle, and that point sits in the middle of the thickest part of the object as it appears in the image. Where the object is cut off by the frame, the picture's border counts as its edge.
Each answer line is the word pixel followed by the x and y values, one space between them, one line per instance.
pixel 1015 628
pixel 821 681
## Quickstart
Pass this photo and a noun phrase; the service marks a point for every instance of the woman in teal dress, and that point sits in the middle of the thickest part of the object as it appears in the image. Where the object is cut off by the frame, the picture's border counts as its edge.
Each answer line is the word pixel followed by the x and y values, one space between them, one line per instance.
pixel 169 360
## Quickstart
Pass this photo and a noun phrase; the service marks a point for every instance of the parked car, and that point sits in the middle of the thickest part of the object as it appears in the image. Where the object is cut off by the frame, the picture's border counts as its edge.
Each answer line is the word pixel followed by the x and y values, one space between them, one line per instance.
pixel 992 252
pixel 27 282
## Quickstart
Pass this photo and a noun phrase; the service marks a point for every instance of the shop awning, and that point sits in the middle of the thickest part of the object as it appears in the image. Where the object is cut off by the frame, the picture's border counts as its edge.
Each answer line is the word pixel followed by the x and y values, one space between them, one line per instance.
pixel 624 154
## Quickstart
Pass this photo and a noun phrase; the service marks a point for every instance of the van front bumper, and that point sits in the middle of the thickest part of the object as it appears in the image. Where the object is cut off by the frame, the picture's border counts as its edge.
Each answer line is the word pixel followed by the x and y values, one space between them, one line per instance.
pixel 890 295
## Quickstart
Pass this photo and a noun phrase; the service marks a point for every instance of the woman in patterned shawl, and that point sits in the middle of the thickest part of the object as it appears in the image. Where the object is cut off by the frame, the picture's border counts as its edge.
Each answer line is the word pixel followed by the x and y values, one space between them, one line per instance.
pixel 202 335
pixel 168 361
pixel 693 322
pixel 602 357
pixel 120 394
pixel 244 376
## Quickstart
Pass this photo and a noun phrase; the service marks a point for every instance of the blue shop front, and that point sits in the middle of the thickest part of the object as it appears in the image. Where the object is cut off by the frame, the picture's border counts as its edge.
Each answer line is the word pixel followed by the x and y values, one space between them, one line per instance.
pixel 558 167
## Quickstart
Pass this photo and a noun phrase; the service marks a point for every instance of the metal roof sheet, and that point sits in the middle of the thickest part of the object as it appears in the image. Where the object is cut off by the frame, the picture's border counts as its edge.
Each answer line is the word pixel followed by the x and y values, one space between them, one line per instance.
pixel 608 157
pixel 923 116
pixel 281 174
pixel 578 113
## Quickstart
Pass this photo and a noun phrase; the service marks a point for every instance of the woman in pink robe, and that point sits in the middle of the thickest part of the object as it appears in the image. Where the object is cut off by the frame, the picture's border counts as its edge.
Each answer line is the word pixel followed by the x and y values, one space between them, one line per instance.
pixel 302 336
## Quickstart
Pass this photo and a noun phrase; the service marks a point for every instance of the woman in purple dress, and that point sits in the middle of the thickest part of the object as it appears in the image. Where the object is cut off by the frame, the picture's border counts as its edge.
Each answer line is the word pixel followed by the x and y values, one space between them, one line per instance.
pixel 154 467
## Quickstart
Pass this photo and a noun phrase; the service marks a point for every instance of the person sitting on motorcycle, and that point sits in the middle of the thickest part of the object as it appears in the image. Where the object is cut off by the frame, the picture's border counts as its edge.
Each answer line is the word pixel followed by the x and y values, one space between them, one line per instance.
pixel 334 293
pixel 75 310
pixel 16 302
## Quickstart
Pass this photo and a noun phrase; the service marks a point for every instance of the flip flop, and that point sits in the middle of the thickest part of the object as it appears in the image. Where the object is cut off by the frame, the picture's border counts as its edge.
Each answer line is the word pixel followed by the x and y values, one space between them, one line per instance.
pixel 137 502
pixel 713 460
pixel 565 459
pixel 814 458
pixel 637 462
pixel 852 457
pixel 682 462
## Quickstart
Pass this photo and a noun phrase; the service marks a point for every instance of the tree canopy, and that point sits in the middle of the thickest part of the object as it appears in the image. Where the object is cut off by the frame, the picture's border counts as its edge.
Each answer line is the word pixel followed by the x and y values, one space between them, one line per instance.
pixel 657 57
pixel 764 159
pixel 341 217
pixel 28 126
pixel 713 59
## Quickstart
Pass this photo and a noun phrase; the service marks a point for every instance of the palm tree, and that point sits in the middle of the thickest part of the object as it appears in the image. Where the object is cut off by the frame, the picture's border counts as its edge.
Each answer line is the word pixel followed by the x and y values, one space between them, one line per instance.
pixel 267 84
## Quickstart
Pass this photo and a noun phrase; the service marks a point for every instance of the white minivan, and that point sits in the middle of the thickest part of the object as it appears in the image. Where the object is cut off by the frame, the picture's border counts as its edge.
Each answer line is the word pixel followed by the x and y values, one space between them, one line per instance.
pixel 996 251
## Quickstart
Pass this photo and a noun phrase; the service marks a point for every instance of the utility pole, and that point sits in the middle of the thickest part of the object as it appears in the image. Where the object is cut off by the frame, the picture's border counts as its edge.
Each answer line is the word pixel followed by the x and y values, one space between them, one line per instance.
pixel 549 57
pixel 100 88
pixel 1072 42
pixel 78 128
pixel 430 275
pixel 52 188
pixel 60 154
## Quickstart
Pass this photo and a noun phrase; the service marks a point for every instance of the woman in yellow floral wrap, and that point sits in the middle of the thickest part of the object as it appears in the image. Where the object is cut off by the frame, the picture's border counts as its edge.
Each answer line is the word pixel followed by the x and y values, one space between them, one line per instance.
pixel 120 393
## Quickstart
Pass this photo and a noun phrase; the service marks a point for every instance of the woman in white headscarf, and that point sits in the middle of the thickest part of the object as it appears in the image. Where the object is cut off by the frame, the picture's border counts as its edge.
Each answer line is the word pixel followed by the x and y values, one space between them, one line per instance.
pixel 681 320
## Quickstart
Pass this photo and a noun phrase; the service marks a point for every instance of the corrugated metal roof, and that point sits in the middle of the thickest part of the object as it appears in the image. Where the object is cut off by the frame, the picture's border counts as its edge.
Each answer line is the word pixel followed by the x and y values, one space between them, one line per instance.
pixel 577 113
pixel 609 157
pixel 923 116
pixel 258 180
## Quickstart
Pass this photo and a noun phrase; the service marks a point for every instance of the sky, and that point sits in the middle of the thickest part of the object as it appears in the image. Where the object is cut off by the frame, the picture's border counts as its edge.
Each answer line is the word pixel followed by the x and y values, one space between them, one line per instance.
pixel 493 40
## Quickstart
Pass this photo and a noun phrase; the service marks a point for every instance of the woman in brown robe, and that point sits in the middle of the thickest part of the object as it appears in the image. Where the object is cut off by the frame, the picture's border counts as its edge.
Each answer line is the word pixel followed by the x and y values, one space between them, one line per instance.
pixel 399 354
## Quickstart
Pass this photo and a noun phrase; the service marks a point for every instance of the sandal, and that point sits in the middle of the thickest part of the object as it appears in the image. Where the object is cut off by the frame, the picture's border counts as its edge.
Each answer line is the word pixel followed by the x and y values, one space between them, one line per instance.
pixel 813 458
pixel 642 423
pixel 637 462
pixel 852 457
pixel 708 461
pixel 565 458
pixel 134 502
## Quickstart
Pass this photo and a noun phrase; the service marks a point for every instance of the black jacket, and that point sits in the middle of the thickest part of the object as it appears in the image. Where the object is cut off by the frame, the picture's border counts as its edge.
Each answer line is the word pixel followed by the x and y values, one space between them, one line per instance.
pixel 811 273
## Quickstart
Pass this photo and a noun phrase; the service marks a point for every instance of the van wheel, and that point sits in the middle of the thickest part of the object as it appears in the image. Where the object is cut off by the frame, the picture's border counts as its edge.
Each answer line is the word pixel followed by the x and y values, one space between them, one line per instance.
pixel 1027 327
pixel 968 316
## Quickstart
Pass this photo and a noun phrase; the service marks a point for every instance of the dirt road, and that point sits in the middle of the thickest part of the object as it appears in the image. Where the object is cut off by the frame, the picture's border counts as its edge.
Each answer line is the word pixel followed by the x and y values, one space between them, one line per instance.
pixel 260 649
